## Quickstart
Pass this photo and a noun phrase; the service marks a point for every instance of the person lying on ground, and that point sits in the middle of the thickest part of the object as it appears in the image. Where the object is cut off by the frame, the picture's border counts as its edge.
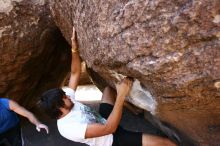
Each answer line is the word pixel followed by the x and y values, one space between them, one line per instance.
pixel 80 123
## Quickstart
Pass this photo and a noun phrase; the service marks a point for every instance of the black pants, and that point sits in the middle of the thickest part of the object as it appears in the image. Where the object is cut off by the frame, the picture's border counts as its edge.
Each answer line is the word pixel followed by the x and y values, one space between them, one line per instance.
pixel 13 136
pixel 121 137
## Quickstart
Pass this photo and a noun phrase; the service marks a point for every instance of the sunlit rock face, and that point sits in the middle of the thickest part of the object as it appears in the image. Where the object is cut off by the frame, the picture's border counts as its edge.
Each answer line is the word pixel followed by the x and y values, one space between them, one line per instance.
pixel 33 54
pixel 172 47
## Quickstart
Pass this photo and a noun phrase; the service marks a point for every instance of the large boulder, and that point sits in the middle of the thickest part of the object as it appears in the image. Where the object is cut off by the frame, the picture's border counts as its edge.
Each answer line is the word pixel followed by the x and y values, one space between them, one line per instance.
pixel 172 47
pixel 34 55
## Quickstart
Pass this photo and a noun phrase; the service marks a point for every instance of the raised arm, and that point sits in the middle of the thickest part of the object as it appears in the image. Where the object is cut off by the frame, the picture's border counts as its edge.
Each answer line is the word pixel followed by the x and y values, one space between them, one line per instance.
pixel 75 64
pixel 14 106
pixel 96 130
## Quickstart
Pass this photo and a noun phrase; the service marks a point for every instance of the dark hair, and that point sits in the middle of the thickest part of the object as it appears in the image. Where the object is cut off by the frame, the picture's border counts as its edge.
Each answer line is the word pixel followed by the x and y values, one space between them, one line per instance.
pixel 51 101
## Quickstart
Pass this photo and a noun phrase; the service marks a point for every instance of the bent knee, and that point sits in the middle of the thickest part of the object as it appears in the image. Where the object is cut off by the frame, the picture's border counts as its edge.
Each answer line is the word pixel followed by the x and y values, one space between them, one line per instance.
pixel 169 143
pixel 109 95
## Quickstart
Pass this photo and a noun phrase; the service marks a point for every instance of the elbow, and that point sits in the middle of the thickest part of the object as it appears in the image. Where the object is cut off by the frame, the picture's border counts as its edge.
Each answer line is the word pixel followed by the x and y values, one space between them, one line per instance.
pixel 113 130
pixel 110 129
pixel 75 75
pixel 75 72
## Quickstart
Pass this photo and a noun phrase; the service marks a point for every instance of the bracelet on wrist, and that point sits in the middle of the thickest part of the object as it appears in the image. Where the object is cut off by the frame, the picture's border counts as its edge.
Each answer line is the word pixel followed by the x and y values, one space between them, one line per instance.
pixel 74 50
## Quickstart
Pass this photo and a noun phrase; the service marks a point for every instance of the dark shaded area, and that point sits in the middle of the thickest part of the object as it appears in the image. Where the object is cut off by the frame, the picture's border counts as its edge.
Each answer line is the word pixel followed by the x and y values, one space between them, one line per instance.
pixel 27 25
pixel 49 68
pixel 96 79
pixel 179 137
pixel 34 138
